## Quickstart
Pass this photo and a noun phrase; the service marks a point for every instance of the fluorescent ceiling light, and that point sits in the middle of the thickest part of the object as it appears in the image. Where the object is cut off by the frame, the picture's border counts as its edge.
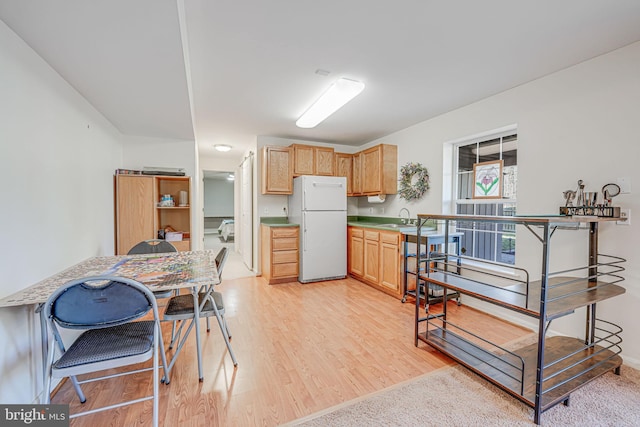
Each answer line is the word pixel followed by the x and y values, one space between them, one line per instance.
pixel 339 93
pixel 222 147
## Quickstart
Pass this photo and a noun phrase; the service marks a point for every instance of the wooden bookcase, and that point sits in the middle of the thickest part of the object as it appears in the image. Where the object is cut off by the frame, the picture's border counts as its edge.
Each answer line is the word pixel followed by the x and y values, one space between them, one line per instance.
pixel 139 216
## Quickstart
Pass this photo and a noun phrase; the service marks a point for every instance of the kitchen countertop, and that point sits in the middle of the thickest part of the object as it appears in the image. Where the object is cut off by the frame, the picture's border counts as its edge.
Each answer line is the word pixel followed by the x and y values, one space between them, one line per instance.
pixel 386 226
pixel 277 221
pixel 384 223
pixel 375 222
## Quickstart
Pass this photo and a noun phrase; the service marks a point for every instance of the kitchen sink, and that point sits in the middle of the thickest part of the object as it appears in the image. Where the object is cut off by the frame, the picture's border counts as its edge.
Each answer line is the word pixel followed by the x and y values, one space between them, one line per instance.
pixel 397 225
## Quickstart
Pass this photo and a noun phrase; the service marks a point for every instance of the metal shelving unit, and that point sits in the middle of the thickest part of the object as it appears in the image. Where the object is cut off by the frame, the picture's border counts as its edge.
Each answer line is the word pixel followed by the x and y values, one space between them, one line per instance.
pixel 429 241
pixel 545 373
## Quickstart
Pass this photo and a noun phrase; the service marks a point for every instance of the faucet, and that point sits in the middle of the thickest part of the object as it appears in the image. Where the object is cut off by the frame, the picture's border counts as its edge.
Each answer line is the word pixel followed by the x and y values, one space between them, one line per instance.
pixel 405 221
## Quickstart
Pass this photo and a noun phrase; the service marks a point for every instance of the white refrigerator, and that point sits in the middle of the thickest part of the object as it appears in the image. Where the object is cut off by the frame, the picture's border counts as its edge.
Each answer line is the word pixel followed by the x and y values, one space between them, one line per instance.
pixel 319 205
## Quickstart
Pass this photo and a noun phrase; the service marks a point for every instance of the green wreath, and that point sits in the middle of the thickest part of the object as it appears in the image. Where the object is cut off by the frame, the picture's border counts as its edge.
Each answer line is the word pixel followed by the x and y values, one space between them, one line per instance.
pixel 410 190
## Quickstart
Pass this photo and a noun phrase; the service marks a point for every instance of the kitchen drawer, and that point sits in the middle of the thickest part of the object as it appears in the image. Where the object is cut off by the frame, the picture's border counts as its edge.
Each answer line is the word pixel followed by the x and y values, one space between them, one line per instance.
pixel 281 257
pixel 391 238
pixel 289 269
pixel 277 232
pixel 357 232
pixel 282 244
pixel 372 235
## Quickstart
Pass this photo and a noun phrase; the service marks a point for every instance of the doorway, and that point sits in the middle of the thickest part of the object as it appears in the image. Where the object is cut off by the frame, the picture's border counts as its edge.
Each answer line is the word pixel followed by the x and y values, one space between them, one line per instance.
pixel 219 220
pixel 221 202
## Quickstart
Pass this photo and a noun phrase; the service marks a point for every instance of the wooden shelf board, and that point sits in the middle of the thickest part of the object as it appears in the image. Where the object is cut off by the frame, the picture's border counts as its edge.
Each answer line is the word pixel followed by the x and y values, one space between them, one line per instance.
pixel 513 297
pixel 492 366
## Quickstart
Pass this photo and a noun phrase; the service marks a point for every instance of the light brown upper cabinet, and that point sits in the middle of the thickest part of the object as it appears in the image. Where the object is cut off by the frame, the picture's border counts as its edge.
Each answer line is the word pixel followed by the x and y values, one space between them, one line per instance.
pixel 380 170
pixel 356 174
pixel 370 172
pixel 277 170
pixel 344 167
pixel 312 160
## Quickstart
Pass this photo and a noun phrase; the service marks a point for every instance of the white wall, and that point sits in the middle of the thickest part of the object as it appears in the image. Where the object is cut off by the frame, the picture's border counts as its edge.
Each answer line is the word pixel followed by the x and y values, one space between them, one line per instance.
pixel 139 152
pixel 218 197
pixel 58 158
pixel 580 123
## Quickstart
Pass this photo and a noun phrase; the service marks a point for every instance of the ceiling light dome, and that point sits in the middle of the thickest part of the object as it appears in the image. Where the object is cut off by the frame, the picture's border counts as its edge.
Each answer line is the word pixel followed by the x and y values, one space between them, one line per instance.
pixel 222 147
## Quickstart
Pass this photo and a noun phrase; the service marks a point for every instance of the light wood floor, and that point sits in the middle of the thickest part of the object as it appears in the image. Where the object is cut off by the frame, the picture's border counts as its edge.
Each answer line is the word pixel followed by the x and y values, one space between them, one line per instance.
pixel 300 349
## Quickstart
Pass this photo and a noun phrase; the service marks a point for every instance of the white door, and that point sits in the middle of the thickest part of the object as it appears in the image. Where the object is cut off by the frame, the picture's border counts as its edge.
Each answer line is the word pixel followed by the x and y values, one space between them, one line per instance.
pixel 246 209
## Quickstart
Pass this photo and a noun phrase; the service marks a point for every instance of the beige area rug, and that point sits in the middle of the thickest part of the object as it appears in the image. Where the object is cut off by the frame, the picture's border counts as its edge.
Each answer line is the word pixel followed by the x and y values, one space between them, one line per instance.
pixel 456 397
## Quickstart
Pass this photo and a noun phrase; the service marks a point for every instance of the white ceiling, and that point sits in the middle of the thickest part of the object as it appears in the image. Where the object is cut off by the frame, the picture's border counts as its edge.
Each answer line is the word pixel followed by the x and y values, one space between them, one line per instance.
pixel 247 68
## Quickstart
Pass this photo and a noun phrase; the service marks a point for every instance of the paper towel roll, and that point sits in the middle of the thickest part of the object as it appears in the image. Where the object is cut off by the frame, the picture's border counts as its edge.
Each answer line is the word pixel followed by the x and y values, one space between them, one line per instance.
pixel 376 199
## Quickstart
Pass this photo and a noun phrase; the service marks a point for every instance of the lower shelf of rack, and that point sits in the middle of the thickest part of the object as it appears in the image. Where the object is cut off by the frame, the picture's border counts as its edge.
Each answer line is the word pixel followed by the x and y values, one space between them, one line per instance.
pixel 436 294
pixel 564 294
pixel 503 370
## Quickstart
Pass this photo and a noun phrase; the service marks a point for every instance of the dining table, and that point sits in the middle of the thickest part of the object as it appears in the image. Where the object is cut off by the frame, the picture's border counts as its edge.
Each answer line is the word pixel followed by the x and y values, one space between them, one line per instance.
pixel 188 270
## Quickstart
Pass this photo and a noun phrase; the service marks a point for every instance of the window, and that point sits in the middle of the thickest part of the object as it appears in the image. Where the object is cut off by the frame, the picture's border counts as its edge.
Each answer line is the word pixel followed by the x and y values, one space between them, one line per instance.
pixel 492 242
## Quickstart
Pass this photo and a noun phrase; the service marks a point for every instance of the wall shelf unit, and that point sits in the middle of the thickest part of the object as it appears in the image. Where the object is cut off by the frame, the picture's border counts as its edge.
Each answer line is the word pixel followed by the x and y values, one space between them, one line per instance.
pixel 546 372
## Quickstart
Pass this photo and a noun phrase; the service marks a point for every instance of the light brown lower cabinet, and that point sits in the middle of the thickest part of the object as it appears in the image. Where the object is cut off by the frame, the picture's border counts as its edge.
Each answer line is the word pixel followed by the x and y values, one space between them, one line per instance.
pixel 279 252
pixel 372 256
pixel 390 261
pixel 375 258
pixel 355 250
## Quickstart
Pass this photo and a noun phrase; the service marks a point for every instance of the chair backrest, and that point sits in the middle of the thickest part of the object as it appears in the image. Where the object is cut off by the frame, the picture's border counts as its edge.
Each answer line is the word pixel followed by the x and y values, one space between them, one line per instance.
pixel 98 302
pixel 221 259
pixel 154 246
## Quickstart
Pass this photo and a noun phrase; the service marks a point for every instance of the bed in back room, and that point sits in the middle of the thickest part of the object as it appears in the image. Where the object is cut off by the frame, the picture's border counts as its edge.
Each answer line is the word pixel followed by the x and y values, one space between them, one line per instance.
pixel 226 229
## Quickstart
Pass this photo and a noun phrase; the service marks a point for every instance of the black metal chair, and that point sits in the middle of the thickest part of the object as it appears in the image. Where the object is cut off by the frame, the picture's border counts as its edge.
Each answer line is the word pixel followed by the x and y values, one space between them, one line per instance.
pixel 154 246
pixel 211 304
pixel 108 309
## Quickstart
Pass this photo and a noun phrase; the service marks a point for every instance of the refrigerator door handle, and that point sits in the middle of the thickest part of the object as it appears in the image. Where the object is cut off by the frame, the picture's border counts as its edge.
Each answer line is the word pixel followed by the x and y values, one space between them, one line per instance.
pixel 304 231
pixel 327 184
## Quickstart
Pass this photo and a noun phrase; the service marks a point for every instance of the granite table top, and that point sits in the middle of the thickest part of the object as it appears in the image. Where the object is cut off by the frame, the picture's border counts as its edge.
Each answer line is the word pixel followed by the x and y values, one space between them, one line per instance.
pixel 158 272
